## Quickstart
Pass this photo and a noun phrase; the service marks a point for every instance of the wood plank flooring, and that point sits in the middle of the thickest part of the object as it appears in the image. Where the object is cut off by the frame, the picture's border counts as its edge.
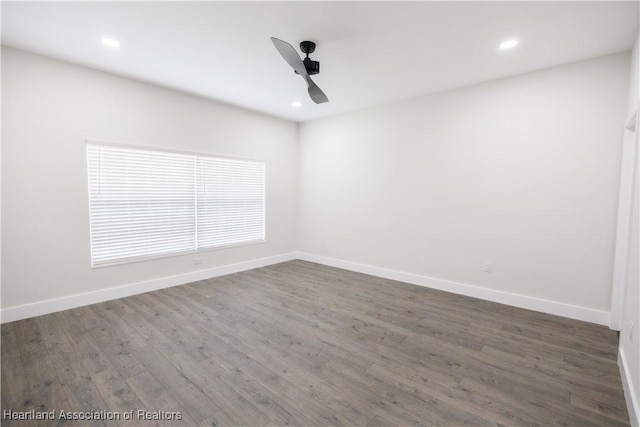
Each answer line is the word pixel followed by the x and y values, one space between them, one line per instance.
pixel 307 345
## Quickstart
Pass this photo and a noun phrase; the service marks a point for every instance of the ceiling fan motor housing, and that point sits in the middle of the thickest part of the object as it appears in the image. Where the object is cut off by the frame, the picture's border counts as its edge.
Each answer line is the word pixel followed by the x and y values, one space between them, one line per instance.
pixel 313 67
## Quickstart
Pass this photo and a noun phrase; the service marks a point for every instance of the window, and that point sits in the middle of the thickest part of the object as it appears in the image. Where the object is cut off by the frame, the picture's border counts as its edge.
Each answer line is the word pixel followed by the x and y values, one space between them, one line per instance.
pixel 230 201
pixel 148 203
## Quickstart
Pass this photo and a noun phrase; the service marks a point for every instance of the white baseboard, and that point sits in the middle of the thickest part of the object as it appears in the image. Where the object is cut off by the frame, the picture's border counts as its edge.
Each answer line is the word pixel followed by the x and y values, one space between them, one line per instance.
pixel 39 308
pixel 11 314
pixel 630 393
pixel 586 314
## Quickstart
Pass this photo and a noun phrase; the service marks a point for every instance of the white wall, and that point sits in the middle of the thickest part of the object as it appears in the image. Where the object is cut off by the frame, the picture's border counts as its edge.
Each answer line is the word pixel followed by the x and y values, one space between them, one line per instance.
pixel 629 351
pixel 522 172
pixel 49 108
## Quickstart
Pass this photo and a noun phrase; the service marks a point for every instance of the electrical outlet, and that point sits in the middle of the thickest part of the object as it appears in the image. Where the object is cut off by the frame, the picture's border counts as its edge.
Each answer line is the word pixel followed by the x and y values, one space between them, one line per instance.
pixel 633 325
pixel 488 267
pixel 197 260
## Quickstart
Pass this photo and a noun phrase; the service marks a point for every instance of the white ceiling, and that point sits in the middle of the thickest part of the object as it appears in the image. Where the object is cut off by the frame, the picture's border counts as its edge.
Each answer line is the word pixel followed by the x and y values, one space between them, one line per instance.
pixel 371 53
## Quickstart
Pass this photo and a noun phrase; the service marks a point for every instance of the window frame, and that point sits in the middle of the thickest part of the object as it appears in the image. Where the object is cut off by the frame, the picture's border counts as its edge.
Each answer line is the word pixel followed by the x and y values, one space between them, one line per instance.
pixel 196 250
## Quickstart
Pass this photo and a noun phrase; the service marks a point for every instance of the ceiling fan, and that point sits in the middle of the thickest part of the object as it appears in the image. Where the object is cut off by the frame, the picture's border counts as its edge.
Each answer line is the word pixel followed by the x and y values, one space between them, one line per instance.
pixel 305 68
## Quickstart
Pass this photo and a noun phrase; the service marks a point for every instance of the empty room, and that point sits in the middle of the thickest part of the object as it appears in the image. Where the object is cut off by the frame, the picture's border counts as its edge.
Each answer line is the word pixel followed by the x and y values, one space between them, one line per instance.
pixel 320 213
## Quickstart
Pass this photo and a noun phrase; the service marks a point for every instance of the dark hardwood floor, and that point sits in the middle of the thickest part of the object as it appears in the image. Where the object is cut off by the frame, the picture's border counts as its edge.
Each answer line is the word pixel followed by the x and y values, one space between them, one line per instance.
pixel 302 344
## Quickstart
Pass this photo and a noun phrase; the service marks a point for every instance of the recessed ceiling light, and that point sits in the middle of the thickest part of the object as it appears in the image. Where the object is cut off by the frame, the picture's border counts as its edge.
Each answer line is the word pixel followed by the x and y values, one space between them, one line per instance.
pixel 296 104
pixel 508 44
pixel 110 42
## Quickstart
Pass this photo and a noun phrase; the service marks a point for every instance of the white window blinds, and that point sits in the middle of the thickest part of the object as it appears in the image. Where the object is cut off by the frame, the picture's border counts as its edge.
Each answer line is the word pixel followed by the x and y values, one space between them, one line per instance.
pixel 146 203
pixel 230 201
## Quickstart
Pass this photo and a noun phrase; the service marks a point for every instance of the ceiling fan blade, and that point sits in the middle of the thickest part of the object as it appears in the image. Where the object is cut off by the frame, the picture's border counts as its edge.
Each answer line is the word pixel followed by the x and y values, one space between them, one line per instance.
pixel 315 93
pixel 290 55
